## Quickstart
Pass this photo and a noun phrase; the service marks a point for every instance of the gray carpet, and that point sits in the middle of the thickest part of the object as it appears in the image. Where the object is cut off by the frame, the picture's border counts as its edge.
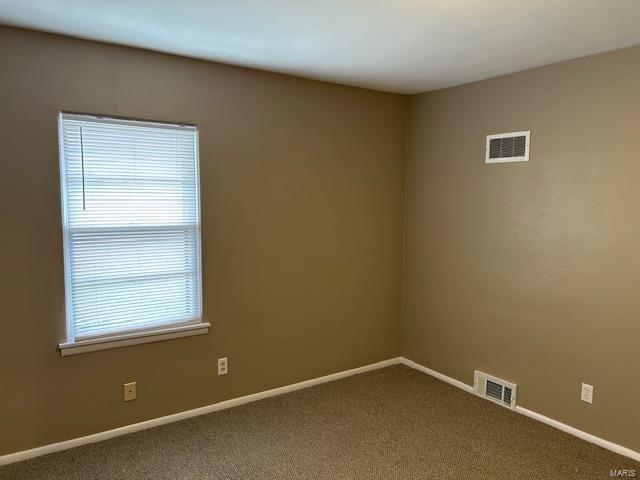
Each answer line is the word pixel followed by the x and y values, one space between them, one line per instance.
pixel 394 423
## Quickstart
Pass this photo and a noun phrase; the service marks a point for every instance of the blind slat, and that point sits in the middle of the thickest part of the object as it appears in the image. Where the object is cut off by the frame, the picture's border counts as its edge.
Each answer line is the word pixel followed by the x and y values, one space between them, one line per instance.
pixel 131 225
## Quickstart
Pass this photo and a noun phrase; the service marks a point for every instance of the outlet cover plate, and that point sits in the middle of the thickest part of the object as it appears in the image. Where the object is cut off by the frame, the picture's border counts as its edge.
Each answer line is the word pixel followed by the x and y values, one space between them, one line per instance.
pixel 223 366
pixel 130 391
pixel 587 393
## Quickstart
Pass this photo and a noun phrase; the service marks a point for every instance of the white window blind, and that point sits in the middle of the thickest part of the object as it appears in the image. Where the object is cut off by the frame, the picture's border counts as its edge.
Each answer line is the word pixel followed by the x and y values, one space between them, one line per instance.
pixel 131 225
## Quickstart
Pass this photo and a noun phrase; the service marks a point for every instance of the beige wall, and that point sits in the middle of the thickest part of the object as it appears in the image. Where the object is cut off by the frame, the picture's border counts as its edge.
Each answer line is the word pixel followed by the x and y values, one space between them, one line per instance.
pixel 302 189
pixel 531 271
pixel 526 271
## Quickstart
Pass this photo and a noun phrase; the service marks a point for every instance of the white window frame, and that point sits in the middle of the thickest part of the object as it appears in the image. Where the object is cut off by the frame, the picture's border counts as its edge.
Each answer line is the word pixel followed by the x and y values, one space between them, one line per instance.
pixel 72 346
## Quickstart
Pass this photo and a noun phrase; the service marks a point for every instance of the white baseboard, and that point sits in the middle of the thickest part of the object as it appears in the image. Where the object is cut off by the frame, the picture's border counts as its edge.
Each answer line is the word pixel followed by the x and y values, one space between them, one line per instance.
pixel 614 447
pixel 438 375
pixel 234 402
pixel 601 442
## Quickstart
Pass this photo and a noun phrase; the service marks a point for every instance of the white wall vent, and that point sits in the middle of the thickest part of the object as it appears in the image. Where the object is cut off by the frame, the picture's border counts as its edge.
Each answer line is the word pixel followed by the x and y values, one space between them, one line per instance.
pixel 495 389
pixel 508 147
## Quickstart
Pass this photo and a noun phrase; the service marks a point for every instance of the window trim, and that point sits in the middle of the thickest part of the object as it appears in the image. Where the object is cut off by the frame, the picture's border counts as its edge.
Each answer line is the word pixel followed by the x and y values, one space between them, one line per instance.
pixel 187 328
pixel 137 338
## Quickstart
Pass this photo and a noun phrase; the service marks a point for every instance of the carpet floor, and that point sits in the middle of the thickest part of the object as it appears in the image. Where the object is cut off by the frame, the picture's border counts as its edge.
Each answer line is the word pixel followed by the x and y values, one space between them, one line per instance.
pixel 394 423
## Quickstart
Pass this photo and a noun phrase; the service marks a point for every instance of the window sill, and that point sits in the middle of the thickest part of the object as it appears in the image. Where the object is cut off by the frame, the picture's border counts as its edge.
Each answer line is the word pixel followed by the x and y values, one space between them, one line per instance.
pixel 125 340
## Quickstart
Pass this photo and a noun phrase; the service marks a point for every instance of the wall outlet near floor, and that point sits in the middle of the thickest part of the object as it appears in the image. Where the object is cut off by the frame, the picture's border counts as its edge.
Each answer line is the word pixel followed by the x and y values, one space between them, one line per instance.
pixel 130 391
pixel 223 366
pixel 587 393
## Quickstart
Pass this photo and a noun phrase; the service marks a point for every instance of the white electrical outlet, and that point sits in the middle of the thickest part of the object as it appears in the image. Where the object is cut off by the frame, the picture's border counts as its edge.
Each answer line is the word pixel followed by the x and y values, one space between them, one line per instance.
pixel 587 393
pixel 223 366
pixel 130 391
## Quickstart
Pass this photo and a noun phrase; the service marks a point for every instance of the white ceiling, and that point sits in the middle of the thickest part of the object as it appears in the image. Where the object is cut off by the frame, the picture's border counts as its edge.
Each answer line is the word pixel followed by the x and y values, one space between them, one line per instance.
pixel 404 46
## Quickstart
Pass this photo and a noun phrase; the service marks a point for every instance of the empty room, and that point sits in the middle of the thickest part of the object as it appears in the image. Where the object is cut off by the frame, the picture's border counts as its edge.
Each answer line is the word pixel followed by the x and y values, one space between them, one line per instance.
pixel 337 239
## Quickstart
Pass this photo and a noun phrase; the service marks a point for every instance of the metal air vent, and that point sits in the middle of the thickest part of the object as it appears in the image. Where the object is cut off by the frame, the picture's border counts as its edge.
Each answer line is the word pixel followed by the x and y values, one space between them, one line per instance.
pixel 494 389
pixel 508 147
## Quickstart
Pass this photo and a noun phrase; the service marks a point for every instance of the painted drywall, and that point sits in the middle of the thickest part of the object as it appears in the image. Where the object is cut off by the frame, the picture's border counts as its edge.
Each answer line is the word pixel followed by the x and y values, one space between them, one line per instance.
pixel 302 191
pixel 530 271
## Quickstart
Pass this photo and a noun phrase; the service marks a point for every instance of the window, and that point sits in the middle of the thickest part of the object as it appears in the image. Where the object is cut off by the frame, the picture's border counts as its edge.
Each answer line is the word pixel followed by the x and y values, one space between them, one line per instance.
pixel 131 222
